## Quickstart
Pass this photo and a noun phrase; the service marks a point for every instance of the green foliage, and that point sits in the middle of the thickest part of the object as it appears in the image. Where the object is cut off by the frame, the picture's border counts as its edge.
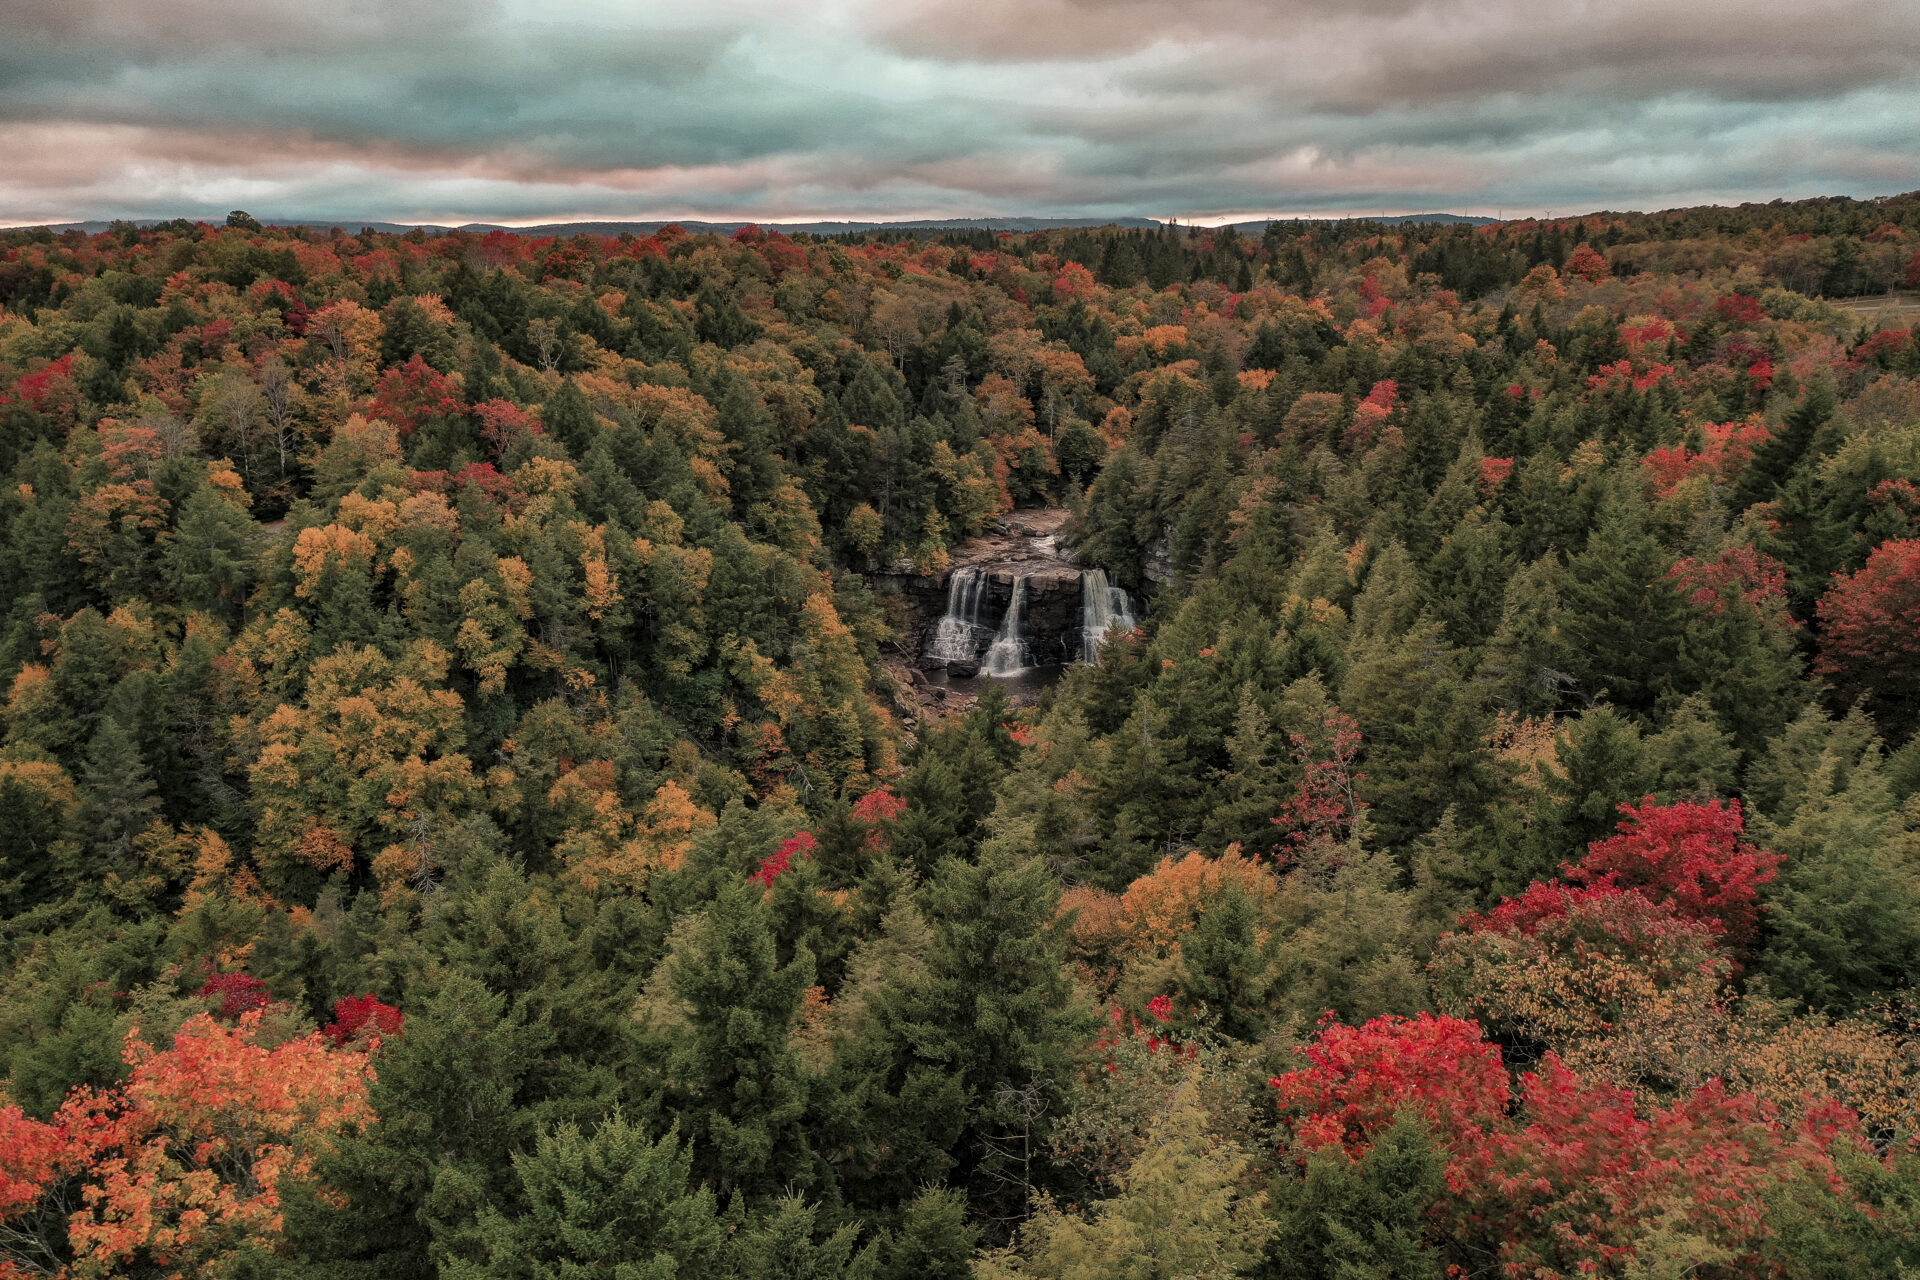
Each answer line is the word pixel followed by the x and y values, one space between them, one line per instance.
pixel 516 633
pixel 1341 1218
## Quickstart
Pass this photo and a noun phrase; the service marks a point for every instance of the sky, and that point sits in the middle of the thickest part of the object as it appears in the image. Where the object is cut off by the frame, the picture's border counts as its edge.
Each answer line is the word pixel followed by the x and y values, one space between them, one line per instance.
pixel 524 111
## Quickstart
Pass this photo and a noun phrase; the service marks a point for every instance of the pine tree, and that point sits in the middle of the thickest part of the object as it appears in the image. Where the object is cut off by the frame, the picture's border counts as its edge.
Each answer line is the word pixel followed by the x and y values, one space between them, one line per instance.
pixel 1842 923
pixel 1343 1217
pixel 118 801
pixel 733 1076
pixel 610 1205
pixel 1624 621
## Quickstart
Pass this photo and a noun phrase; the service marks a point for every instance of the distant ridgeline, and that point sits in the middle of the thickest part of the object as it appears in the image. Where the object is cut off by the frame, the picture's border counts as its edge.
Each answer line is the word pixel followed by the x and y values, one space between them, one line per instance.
pixel 506 763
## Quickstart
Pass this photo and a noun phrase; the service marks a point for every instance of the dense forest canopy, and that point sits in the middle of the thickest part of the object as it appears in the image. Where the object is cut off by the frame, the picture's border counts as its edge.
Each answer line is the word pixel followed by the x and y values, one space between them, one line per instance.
pixel 459 815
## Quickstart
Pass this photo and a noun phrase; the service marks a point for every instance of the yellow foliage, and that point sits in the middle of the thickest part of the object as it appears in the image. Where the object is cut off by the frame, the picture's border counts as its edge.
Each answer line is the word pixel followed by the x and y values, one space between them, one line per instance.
pixel 329 546
pixel 375 748
pixel 604 846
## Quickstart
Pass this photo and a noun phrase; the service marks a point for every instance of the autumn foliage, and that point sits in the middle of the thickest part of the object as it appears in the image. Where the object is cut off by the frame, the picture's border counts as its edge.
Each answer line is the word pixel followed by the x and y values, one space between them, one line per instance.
pixel 1870 625
pixel 183 1167
pixel 1582 1177
pixel 1689 856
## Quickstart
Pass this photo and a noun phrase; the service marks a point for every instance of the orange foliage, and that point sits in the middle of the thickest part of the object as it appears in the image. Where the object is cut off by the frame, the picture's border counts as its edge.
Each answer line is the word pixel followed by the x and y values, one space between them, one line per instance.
pixel 1158 908
pixel 184 1165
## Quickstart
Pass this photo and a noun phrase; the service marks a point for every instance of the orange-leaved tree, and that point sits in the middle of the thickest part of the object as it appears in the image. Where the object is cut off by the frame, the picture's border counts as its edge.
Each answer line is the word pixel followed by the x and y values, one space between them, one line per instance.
pixel 179 1171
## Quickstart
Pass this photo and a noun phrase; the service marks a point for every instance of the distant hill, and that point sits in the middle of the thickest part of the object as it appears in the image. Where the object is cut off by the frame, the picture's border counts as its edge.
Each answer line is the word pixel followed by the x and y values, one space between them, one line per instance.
pixel 1398 219
pixel 935 225
pixel 94 227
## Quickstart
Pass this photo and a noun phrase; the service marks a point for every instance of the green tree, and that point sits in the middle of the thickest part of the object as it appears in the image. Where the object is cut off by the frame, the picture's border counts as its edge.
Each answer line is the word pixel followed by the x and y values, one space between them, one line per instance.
pixel 1345 1219
pixel 610 1205
pixel 732 1074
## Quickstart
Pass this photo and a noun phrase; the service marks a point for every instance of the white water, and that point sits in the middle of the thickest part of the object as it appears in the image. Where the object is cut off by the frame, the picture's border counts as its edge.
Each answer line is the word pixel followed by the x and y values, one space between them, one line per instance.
pixel 1009 655
pixel 957 639
pixel 1103 606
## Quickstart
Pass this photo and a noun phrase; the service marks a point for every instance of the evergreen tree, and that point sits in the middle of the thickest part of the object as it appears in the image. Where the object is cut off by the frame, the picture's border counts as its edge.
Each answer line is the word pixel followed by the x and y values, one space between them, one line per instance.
pixel 1348 1218
pixel 606 1206
pixel 732 1074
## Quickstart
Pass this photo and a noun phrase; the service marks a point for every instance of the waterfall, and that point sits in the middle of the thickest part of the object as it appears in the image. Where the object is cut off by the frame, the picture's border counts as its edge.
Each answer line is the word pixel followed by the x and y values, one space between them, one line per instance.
pixel 1009 654
pixel 957 639
pixel 1102 607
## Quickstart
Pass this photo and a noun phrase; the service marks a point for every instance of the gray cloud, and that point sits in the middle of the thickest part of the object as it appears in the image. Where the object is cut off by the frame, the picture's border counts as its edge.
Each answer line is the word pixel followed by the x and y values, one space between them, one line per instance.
pixel 514 109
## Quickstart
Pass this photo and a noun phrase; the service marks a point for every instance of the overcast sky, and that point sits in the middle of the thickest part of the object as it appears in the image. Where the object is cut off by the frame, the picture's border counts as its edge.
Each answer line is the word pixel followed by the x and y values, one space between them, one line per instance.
pixel 540 110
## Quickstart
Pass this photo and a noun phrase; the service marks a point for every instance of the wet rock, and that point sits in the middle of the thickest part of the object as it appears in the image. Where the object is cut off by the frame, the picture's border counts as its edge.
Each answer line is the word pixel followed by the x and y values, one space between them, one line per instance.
pixel 963 669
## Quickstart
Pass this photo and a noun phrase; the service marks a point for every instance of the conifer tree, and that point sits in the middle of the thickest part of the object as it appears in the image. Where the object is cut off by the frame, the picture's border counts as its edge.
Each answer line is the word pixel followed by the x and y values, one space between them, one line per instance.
pixel 733 1077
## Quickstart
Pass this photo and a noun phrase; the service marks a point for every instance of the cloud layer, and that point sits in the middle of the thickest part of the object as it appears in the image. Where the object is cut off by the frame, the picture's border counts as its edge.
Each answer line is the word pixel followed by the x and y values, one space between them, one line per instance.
pixel 451 110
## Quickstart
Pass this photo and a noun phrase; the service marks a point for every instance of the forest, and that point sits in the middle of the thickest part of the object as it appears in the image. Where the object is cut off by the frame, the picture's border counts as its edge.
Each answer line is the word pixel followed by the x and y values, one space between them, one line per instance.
pixel 464 808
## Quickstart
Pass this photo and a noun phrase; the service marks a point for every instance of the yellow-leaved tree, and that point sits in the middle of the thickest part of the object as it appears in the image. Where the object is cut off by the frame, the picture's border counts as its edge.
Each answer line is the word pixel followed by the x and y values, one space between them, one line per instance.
pixel 1182 1213
pixel 373 757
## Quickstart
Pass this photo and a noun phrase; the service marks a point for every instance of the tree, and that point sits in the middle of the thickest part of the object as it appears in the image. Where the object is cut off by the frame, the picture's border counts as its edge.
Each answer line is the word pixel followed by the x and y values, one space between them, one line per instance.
pixel 1841 922
pixel 962 1044
pixel 1870 633
pixel 1180 1211
pixel 1690 856
pixel 184 1165
pixel 732 1074
pixel 610 1205
pixel 1346 1217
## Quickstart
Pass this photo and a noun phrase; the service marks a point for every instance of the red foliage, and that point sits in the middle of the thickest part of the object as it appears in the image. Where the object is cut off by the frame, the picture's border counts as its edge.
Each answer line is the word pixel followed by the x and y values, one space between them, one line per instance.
pixel 1619 375
pixel 1362 1076
pixel 1728 447
pixel 1325 806
pixel 1494 473
pixel 1588 264
pixel 238 993
pixel 410 393
pixel 33 389
pixel 1655 332
pixel 878 805
pixel 1739 309
pixel 1599 919
pixel 485 477
pixel 878 810
pixel 1074 281
pixel 1870 624
pixel 1880 349
pixel 1122 1026
pixel 354 1014
pixel 1371 413
pixel 1899 497
pixel 1378 304
pixel 1567 1185
pixel 1540 904
pixel 568 261
pixel 1761 580
pixel 504 424
pixel 780 859
pixel 1688 855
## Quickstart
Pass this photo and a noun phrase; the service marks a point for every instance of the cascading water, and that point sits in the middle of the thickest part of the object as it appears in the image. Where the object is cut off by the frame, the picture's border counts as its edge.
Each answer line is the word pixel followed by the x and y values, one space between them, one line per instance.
pixel 1103 606
pixel 957 639
pixel 1009 654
